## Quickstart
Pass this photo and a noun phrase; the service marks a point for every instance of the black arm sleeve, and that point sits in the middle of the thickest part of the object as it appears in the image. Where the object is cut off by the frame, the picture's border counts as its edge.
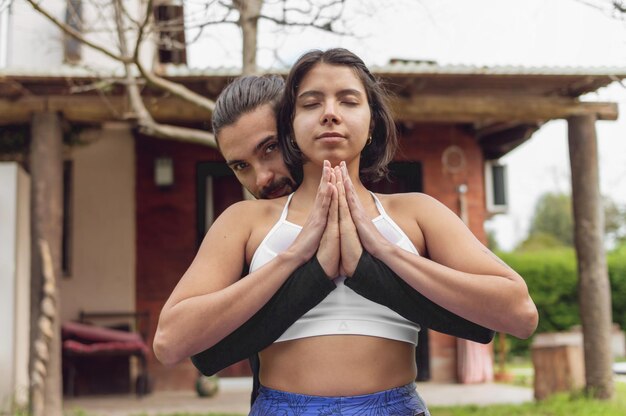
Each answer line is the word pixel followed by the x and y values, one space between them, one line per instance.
pixel 304 289
pixel 374 280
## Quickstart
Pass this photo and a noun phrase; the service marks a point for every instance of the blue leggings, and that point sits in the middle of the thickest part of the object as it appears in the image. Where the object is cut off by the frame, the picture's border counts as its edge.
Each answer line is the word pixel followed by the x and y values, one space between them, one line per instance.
pixel 400 401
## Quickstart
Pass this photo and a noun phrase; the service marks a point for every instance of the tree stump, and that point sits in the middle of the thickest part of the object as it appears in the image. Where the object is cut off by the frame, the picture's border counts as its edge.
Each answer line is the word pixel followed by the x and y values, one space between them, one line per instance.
pixel 559 366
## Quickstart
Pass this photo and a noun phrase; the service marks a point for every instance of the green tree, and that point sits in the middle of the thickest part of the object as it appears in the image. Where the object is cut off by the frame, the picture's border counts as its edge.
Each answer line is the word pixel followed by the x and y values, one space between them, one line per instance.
pixel 553 216
pixel 552 224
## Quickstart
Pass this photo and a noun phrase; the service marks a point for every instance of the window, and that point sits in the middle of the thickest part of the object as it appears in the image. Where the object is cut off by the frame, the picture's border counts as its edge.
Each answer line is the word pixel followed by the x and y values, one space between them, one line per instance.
pixel 496 187
pixel 170 25
pixel 73 18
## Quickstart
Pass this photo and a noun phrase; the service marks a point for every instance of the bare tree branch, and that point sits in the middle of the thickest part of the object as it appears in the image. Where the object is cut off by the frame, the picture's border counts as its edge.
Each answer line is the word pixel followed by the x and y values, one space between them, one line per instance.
pixel 614 8
pixel 5 4
pixel 76 34
pixel 145 121
pixel 173 88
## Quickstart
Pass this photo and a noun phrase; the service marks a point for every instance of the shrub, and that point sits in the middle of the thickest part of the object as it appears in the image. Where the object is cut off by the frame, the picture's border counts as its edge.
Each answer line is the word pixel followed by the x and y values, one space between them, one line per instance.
pixel 552 279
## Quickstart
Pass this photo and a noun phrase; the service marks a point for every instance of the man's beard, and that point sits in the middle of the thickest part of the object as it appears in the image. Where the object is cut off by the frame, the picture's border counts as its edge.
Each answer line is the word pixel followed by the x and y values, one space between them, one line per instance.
pixel 284 184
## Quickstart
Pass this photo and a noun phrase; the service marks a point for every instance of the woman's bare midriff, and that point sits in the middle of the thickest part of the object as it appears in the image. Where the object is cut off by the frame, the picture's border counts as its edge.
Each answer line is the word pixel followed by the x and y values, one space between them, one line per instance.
pixel 337 365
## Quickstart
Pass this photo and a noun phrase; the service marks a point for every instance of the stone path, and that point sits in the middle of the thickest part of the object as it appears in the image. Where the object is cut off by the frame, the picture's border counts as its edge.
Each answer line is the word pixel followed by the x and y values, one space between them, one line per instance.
pixel 234 397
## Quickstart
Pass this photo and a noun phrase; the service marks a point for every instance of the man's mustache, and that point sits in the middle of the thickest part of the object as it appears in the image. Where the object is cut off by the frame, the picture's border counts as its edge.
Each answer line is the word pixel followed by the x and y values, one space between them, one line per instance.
pixel 284 182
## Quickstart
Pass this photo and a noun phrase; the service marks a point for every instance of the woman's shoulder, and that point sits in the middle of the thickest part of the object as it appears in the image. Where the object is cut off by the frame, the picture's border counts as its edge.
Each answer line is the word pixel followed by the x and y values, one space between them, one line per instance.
pixel 418 206
pixel 407 200
pixel 252 211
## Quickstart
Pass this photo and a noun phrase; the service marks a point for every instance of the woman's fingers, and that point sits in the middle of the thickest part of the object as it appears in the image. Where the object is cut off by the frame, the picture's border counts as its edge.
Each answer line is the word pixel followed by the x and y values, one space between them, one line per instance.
pixel 309 238
pixel 351 248
pixel 324 191
pixel 371 239
pixel 328 253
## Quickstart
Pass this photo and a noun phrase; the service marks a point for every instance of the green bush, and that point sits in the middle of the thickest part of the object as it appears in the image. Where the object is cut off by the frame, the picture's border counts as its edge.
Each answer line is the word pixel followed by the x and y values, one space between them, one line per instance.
pixel 617 275
pixel 552 279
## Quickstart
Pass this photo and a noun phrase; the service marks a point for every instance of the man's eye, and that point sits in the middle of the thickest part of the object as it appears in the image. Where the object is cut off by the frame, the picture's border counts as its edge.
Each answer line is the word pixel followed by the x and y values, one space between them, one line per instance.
pixel 239 167
pixel 271 147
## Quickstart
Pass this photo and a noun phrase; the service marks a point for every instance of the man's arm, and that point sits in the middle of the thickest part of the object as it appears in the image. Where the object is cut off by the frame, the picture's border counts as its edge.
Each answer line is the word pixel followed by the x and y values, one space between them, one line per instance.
pixel 308 286
pixel 374 280
pixel 304 289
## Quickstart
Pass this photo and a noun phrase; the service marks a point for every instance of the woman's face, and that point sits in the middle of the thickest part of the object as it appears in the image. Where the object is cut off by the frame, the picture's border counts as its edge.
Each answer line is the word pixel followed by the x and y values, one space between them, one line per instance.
pixel 332 117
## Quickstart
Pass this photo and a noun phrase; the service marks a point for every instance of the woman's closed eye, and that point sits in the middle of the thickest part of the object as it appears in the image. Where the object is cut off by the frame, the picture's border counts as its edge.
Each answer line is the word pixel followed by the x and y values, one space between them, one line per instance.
pixel 310 105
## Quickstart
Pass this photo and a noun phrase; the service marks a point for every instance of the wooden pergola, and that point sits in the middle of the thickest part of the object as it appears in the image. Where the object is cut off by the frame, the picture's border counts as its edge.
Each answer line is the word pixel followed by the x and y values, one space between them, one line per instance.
pixel 501 106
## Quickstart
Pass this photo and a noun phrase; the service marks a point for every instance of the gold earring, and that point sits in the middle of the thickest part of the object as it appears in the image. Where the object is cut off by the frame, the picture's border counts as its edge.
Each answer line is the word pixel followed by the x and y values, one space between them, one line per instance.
pixel 369 141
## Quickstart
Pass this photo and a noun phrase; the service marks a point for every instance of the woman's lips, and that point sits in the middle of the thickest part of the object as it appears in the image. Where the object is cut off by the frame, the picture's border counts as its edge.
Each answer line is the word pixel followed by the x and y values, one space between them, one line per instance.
pixel 331 137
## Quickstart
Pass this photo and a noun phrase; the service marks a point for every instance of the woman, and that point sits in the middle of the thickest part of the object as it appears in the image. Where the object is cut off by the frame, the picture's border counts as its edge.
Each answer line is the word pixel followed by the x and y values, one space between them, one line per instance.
pixel 347 355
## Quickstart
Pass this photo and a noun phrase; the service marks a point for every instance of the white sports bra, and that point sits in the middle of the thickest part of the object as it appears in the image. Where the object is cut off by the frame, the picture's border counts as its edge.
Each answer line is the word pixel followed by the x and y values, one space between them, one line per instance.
pixel 343 311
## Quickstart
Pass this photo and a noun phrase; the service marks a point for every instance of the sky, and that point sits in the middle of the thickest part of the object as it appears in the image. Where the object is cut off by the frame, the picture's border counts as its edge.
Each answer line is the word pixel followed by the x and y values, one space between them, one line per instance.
pixel 478 32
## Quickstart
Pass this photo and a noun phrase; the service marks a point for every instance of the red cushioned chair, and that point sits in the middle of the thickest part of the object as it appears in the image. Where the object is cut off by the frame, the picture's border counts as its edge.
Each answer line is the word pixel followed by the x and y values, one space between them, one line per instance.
pixel 88 340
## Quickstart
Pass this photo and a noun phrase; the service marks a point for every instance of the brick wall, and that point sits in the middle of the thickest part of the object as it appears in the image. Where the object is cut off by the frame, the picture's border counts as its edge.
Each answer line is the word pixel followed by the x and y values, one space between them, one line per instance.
pixel 427 143
pixel 166 237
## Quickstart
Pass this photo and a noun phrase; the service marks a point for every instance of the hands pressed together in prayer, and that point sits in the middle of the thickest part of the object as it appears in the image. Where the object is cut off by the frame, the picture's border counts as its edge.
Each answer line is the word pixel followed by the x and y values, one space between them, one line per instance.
pixel 338 227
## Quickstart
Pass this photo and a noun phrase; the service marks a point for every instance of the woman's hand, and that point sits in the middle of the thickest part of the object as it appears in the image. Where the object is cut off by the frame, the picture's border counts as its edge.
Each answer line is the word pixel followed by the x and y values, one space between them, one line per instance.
pixel 370 238
pixel 313 230
pixel 351 248
pixel 328 254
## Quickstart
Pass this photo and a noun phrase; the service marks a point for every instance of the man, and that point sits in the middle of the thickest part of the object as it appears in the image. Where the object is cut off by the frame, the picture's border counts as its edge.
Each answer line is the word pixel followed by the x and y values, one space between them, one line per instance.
pixel 244 124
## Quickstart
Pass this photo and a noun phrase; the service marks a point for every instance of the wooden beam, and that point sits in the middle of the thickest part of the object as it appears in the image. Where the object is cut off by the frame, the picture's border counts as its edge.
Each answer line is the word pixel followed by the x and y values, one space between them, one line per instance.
pixel 425 108
pixel 498 143
pixel 95 109
pixel 490 109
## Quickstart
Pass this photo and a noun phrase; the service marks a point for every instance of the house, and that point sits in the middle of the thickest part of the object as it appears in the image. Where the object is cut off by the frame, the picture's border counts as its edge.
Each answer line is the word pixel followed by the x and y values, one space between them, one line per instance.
pixel 136 207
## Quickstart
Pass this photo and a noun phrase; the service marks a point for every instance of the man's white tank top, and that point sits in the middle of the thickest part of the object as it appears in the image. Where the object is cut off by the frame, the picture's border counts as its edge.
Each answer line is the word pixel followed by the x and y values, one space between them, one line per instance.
pixel 343 311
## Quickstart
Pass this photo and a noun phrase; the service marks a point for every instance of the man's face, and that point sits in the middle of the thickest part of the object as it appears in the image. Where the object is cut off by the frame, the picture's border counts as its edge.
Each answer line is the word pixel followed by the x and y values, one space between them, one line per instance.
pixel 250 147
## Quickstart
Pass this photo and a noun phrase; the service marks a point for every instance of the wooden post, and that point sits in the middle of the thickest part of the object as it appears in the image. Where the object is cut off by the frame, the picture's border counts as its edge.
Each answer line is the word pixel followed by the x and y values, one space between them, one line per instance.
pixel 593 287
pixel 46 169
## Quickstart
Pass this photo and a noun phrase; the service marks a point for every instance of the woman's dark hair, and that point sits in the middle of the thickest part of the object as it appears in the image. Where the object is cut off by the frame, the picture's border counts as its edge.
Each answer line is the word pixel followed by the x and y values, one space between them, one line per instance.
pixel 375 156
pixel 243 95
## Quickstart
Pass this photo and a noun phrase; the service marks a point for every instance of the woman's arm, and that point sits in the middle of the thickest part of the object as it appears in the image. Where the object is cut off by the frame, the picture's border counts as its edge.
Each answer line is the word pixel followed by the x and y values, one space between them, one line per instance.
pixel 372 279
pixel 462 275
pixel 210 302
pixel 375 281
pixel 304 289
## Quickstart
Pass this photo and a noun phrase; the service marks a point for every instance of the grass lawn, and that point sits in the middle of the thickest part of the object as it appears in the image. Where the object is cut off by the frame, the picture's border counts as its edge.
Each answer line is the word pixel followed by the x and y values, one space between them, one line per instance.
pixel 570 405
pixel 566 405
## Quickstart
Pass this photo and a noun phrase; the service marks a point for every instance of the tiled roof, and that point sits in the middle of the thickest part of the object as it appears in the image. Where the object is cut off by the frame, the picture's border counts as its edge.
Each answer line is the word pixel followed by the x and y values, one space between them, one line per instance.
pixel 395 68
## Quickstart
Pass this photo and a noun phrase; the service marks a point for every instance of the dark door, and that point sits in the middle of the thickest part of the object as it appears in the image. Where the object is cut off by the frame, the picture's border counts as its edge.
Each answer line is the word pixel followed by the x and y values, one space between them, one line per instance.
pixel 217 189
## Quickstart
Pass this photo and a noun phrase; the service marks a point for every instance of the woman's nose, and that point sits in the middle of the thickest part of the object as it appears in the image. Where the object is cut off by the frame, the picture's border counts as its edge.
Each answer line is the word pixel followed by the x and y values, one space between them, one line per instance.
pixel 330 115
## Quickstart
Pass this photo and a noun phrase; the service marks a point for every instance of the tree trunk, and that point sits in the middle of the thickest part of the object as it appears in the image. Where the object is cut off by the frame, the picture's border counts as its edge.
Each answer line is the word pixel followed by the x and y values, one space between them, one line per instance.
pixel 593 286
pixel 249 12
pixel 46 168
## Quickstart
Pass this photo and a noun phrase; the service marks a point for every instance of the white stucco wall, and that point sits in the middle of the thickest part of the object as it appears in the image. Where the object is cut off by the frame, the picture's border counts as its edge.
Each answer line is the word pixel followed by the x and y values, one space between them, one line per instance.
pixel 35 43
pixel 102 272
pixel 14 285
